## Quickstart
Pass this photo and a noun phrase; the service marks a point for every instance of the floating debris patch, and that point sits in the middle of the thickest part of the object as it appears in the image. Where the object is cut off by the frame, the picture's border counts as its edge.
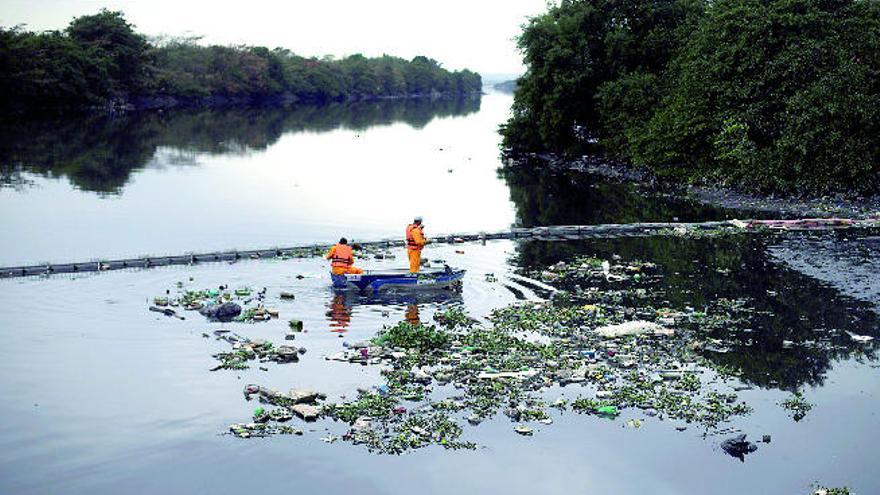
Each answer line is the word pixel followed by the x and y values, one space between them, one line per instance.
pixel 599 336
pixel 245 350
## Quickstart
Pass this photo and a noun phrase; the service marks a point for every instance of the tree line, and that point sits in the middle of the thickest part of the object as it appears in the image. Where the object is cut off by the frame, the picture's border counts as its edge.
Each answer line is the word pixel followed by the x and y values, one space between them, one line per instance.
pixel 100 59
pixel 769 95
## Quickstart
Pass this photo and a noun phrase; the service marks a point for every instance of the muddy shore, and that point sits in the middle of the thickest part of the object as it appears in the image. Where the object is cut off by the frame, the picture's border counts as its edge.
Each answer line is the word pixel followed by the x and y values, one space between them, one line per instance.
pixel 721 197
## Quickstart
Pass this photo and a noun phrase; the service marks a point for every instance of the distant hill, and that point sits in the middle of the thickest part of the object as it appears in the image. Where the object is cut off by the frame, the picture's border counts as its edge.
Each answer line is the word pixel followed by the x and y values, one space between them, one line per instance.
pixel 492 78
pixel 506 86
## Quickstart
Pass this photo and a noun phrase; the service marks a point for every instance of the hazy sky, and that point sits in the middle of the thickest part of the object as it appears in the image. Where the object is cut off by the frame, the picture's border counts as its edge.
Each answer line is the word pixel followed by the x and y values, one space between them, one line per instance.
pixel 475 34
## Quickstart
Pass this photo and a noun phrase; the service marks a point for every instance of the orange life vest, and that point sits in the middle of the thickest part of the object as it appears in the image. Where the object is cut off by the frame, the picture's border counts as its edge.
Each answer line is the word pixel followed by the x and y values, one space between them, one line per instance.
pixel 411 243
pixel 342 256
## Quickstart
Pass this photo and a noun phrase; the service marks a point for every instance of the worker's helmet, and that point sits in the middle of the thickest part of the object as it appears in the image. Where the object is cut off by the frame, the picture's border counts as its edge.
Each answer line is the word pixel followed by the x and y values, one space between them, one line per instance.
pixel 417 220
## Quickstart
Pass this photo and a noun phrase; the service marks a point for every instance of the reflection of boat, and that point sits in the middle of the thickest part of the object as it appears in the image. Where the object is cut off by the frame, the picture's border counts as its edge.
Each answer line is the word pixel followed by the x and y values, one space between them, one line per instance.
pixel 339 314
pixel 375 280
pixel 341 308
pixel 412 314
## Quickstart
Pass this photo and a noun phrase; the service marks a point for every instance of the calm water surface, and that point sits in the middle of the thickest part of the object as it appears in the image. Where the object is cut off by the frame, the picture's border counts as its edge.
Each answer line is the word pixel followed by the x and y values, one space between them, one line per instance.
pixel 203 180
pixel 102 396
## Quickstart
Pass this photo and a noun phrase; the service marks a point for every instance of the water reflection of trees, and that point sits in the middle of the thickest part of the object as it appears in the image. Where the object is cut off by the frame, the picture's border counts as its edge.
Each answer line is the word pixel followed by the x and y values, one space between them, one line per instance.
pixel 788 305
pixel 784 305
pixel 571 198
pixel 99 152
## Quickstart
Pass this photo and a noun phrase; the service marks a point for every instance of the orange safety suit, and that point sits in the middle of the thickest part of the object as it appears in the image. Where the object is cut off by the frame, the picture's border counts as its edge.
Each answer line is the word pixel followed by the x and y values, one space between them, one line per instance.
pixel 342 260
pixel 415 241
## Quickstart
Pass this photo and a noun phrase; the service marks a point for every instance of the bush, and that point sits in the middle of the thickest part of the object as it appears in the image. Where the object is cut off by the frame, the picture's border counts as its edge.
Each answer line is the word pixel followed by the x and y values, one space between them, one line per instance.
pixel 773 95
pixel 581 46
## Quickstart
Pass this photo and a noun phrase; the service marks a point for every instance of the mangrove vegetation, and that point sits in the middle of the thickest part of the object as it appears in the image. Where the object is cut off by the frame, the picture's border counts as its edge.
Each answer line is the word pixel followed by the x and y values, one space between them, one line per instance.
pixel 100 60
pixel 766 95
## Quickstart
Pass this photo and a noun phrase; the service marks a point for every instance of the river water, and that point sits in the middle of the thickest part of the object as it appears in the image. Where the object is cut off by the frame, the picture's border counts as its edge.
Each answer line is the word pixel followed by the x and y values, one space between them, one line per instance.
pixel 102 396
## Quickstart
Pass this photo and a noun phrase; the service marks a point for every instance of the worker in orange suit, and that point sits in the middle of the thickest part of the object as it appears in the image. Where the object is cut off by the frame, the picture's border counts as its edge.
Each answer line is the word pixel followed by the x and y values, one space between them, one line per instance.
pixel 415 241
pixel 342 259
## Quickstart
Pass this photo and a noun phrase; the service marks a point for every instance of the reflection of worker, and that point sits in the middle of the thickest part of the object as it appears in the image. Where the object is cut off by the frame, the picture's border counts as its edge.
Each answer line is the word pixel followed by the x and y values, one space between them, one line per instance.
pixel 339 314
pixel 342 259
pixel 415 241
pixel 412 314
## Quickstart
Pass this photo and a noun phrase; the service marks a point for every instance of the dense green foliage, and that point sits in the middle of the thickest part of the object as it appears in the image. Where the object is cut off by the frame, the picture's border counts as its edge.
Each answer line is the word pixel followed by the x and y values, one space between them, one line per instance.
pixel 580 49
pixel 777 95
pixel 100 59
pixel 187 69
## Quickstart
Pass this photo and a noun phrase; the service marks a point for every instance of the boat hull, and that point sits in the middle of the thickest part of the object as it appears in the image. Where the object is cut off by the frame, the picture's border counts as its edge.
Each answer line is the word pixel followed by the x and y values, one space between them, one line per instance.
pixel 399 279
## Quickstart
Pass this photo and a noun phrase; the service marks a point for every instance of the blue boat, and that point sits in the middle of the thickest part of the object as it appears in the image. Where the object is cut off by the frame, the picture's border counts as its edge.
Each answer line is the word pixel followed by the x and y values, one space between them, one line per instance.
pixel 375 280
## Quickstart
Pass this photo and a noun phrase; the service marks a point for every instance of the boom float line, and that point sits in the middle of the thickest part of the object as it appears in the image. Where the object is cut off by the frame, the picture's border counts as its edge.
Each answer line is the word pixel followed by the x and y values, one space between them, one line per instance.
pixel 551 233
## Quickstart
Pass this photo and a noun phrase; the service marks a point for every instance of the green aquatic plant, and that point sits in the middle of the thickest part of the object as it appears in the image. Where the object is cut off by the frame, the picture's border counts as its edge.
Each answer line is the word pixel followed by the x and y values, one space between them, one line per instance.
pixel 407 335
pixel 404 384
pixel 368 404
pixel 797 406
pixel 454 318
pixel 588 405
pixel 395 436
pixel 235 360
pixel 690 382
pixel 533 415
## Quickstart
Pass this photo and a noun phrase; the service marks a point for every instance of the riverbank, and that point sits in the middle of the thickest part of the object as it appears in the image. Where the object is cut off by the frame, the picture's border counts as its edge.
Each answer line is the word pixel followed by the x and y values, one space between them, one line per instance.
pixel 175 102
pixel 855 207
pixel 287 99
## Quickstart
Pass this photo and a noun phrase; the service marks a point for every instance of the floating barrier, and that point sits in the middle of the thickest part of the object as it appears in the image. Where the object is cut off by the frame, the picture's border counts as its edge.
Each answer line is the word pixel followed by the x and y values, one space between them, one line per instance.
pixel 551 233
